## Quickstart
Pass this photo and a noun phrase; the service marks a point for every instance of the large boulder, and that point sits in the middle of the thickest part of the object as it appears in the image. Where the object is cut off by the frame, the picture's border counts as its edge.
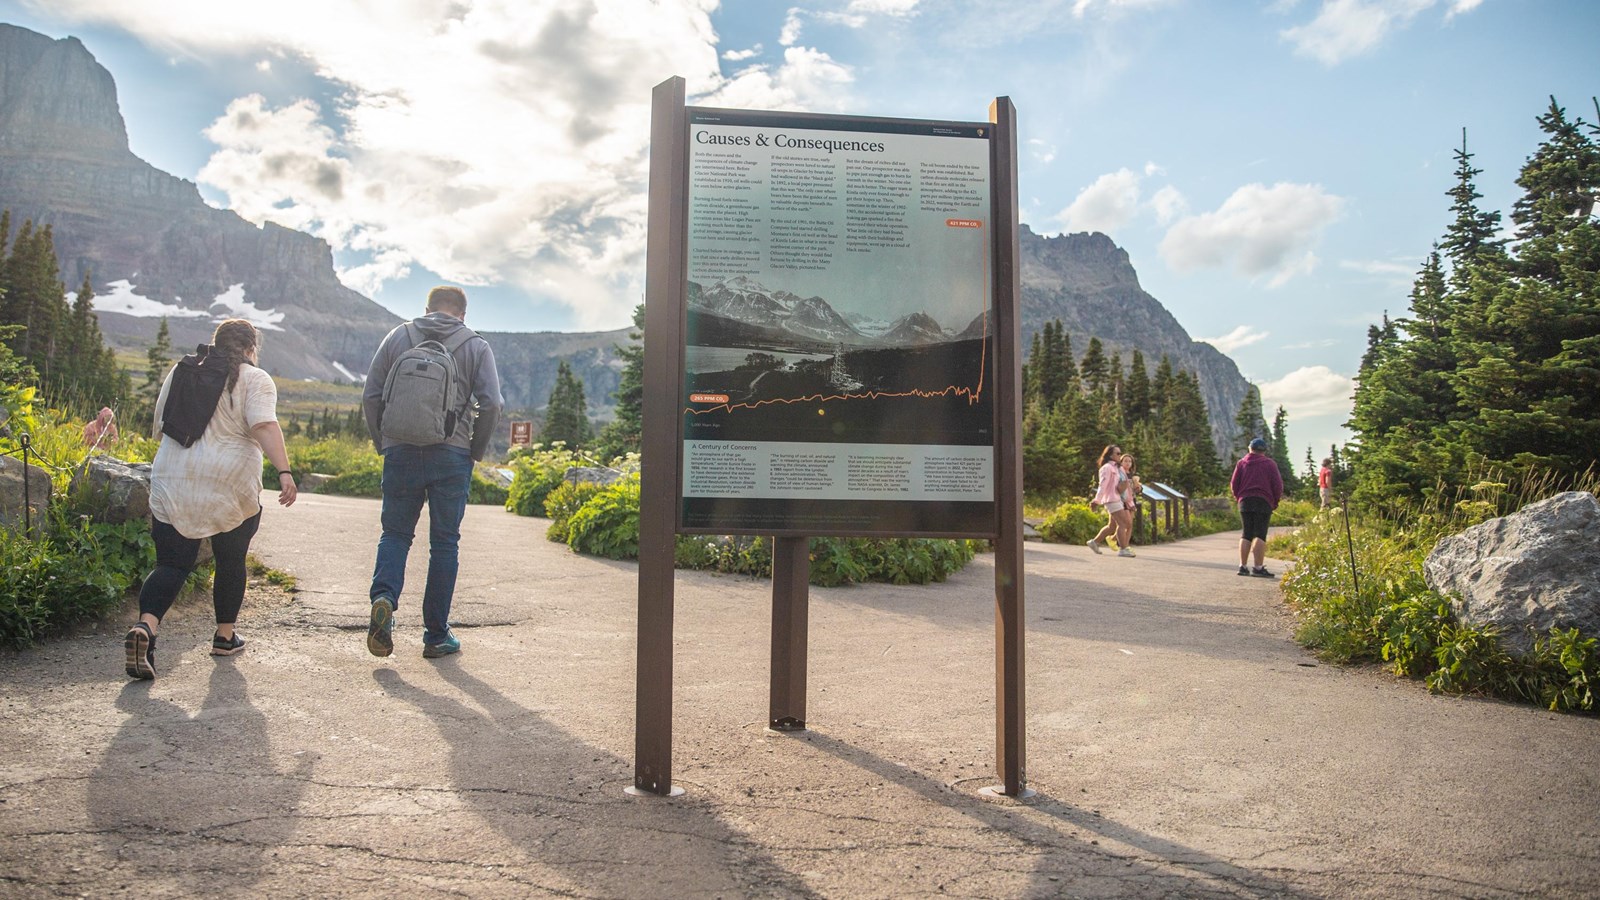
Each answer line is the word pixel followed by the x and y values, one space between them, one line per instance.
pixel 121 490
pixel 13 493
pixel 1536 569
pixel 592 475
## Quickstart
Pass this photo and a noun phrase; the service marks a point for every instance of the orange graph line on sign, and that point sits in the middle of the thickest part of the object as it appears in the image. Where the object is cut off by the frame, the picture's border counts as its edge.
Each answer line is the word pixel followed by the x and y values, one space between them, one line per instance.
pixel 973 394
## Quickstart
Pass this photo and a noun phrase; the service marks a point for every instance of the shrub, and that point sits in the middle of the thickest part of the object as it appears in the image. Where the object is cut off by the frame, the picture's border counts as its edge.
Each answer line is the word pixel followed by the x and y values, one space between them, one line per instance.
pixel 608 523
pixel 730 555
pixel 563 502
pixel 1396 618
pixel 360 483
pixel 1072 523
pixel 486 490
pixel 537 472
pixel 74 570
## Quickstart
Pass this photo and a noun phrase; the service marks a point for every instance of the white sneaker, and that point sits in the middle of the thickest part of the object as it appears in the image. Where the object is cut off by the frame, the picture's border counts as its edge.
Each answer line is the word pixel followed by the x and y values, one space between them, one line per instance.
pixel 1126 552
pixel 1093 545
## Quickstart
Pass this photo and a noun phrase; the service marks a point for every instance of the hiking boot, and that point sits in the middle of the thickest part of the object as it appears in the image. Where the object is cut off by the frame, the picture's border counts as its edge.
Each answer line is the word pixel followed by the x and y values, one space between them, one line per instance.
pixel 1095 546
pixel 1126 552
pixel 221 646
pixel 380 629
pixel 450 644
pixel 1245 571
pixel 140 647
pixel 1261 572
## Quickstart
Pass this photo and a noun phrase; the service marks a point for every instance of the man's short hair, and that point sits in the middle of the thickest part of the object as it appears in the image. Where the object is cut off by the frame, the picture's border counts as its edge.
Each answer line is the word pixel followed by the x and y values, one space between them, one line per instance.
pixel 452 300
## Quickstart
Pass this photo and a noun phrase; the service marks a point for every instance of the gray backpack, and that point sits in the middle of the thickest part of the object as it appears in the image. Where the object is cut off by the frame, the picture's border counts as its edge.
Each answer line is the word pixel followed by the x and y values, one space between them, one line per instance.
pixel 419 397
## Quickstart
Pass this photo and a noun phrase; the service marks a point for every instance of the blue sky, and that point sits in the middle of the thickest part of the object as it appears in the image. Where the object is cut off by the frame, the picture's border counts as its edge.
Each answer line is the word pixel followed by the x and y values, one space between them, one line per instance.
pixel 1276 170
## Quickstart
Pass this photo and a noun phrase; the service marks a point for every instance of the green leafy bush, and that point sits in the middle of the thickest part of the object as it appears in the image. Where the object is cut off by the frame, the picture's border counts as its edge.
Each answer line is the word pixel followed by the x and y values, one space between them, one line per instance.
pixel 730 555
pixel 605 522
pixel 486 490
pixel 565 500
pixel 1072 523
pixel 537 472
pixel 72 571
pixel 1397 619
pixel 359 483
pixel 608 523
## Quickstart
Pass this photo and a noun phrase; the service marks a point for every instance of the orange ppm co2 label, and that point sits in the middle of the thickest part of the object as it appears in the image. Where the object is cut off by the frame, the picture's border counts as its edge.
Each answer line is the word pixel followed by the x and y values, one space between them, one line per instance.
pixel 964 223
pixel 708 398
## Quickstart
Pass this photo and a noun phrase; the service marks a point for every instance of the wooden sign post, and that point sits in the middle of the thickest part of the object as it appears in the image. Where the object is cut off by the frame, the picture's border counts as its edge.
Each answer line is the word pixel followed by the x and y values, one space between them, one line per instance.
pixel 768 411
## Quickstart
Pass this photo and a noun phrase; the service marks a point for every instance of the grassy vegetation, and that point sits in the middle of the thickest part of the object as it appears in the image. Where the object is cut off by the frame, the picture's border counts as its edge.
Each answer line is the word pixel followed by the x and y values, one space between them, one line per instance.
pixel 1359 595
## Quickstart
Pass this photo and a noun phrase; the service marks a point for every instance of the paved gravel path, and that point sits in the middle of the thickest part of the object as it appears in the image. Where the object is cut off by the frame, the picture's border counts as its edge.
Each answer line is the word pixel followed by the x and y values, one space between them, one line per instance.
pixel 1182 745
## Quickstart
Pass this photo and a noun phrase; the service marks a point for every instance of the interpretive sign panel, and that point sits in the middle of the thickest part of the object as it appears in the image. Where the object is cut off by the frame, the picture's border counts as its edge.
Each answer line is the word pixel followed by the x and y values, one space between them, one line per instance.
pixel 522 432
pixel 839 346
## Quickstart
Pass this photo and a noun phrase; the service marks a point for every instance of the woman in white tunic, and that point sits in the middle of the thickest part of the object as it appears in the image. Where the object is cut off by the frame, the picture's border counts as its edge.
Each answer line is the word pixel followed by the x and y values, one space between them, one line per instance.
pixel 211 489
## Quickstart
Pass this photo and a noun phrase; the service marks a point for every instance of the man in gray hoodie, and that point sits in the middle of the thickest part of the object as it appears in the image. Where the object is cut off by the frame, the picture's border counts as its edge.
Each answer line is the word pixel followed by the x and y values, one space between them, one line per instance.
pixel 439 474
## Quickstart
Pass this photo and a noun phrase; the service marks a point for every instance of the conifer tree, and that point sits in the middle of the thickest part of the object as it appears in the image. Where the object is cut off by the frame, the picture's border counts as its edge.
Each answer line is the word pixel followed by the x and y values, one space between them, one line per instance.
pixel 625 433
pixel 157 360
pixel 1471 236
pixel 566 415
pixel 1137 401
pixel 1249 423
pixel 1280 451
pixel 1094 368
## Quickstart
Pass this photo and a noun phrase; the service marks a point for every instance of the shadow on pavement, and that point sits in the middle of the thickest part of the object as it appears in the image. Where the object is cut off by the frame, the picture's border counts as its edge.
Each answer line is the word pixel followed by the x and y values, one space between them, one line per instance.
pixel 559 801
pixel 1161 868
pixel 185 800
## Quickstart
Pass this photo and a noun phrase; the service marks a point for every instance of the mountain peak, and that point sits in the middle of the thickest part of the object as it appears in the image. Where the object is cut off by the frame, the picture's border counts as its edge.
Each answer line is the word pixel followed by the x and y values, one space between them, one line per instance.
pixel 55 97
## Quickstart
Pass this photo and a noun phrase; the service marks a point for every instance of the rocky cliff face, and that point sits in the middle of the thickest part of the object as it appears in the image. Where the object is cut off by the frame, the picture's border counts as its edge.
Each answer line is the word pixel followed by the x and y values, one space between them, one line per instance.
pixel 148 238
pixel 152 247
pixel 1088 283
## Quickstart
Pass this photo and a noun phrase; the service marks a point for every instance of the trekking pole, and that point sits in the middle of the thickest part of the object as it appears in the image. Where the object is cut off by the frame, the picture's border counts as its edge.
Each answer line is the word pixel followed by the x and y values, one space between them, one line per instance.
pixel 1350 542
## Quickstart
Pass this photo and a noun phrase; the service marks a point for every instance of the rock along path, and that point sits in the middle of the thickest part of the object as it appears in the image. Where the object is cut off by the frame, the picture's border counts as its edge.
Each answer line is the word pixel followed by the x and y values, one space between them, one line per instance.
pixel 1182 745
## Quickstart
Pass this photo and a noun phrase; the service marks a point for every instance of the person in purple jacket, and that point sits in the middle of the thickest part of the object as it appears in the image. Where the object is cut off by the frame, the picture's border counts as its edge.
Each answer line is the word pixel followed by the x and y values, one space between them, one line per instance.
pixel 1257 487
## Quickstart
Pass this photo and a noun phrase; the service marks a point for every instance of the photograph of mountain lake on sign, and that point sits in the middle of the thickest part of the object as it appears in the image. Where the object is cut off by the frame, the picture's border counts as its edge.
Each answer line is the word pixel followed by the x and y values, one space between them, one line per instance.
pixel 768 364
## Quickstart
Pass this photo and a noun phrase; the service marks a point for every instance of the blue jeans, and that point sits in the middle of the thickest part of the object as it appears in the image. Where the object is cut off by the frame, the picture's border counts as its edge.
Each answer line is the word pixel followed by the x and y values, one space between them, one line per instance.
pixel 442 476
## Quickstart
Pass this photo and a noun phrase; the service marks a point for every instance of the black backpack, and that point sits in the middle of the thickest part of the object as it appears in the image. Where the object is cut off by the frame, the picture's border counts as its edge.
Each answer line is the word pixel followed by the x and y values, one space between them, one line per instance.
pixel 198 381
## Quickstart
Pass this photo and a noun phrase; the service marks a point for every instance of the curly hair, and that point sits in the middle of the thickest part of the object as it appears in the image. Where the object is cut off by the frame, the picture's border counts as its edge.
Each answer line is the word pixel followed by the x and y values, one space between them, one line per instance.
pixel 234 339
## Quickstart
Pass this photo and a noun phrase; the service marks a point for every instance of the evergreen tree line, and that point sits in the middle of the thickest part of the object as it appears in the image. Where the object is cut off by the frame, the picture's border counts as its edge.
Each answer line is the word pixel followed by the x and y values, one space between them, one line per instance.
pixel 1073 408
pixel 1497 367
pixel 58 343
pixel 331 424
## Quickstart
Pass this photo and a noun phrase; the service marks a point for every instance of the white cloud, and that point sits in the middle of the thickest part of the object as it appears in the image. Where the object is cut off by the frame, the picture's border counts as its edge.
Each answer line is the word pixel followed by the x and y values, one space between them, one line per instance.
pixel 1346 28
pixel 792 27
pixel 491 142
pixel 1460 7
pixel 1243 336
pixel 893 7
pixel 1380 267
pixel 1309 391
pixel 741 55
pixel 1107 8
pixel 1259 230
pixel 1042 151
pixel 1105 206
pixel 1168 204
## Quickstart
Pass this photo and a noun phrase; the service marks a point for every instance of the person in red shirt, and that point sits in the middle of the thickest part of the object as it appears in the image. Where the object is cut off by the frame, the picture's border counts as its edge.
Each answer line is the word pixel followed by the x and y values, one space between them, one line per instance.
pixel 1257 487
pixel 101 430
pixel 1325 481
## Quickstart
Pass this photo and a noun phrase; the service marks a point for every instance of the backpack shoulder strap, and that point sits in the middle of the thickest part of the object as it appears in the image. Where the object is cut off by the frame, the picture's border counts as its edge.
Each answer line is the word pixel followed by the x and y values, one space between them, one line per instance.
pixel 457 338
pixel 413 335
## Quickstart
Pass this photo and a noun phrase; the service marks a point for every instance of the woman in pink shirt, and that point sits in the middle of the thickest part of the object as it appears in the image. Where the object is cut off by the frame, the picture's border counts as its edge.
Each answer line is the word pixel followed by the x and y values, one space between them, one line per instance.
pixel 1109 495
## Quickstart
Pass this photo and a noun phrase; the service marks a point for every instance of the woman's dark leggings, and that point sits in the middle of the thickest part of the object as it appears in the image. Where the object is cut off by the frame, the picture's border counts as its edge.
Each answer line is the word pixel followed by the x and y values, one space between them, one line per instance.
pixel 175 556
